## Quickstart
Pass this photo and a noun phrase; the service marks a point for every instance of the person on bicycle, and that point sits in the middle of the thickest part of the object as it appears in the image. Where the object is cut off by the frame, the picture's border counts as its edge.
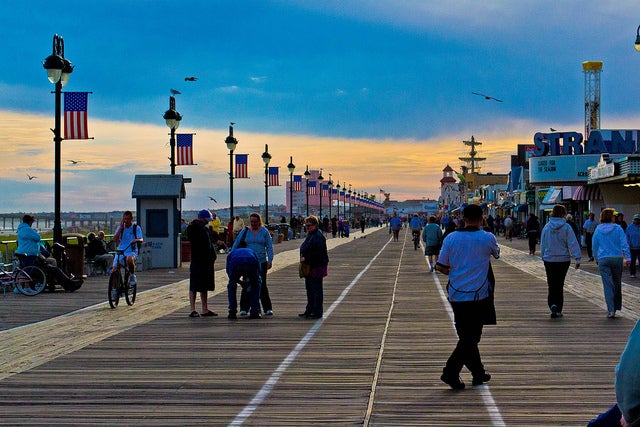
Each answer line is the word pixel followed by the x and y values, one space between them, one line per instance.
pixel 416 226
pixel 128 233
pixel 244 263
pixel 432 238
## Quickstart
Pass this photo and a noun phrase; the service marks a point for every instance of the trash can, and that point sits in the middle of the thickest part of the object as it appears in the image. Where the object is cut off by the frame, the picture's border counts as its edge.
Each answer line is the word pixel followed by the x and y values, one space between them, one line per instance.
pixel 74 248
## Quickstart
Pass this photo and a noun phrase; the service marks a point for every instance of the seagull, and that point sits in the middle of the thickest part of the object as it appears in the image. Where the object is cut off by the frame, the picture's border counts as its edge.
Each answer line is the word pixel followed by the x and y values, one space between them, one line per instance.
pixel 487 97
pixel 174 92
pixel 214 200
pixel 552 129
pixel 31 177
pixel 190 79
pixel 75 162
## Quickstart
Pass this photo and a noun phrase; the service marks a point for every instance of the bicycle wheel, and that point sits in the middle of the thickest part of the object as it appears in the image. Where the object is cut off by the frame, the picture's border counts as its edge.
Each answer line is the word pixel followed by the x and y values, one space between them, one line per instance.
pixel 30 280
pixel 129 291
pixel 115 281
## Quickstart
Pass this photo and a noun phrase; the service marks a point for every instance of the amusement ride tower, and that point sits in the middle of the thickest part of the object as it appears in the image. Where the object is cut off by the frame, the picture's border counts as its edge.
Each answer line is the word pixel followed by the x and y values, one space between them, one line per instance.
pixel 592 71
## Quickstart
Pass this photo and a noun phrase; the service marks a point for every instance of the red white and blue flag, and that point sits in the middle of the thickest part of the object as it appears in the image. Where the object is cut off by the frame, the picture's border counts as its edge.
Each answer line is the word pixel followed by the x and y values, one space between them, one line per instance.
pixel 313 190
pixel 297 183
pixel 241 166
pixel 274 176
pixel 325 190
pixel 75 115
pixel 185 149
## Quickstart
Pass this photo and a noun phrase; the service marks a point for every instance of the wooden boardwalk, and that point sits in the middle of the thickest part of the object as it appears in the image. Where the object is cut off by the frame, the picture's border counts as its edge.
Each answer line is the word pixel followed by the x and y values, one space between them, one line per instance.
pixel 375 359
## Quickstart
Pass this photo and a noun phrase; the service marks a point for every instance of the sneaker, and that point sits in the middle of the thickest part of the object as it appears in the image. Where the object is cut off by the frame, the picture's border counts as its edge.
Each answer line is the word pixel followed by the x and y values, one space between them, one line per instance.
pixel 554 311
pixel 232 316
pixel 269 312
pixel 591 259
pixel 255 316
pixel 132 280
pixel 243 312
pixel 611 314
pixel 481 379
pixel 454 382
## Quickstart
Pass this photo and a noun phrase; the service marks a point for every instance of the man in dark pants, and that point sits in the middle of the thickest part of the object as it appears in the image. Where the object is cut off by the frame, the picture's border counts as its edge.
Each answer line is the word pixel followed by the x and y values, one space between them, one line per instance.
pixel 203 256
pixel 244 263
pixel 465 258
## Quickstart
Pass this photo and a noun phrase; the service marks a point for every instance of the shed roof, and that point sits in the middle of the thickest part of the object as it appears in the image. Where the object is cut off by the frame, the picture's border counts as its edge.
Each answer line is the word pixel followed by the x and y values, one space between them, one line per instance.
pixel 158 187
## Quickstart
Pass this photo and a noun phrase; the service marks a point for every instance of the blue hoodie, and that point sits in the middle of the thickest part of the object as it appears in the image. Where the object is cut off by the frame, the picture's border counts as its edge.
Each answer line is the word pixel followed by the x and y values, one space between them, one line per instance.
pixel 28 240
pixel 558 242
pixel 609 241
pixel 633 235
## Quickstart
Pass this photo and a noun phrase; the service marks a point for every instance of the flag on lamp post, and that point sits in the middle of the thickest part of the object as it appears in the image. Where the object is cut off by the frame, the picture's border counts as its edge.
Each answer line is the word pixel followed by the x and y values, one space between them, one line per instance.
pixel 241 166
pixel 274 176
pixel 184 143
pixel 325 190
pixel 297 183
pixel 75 115
pixel 312 188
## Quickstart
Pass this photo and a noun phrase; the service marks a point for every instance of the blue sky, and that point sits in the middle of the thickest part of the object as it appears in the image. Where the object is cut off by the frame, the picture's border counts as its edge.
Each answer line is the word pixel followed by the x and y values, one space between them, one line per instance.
pixel 378 93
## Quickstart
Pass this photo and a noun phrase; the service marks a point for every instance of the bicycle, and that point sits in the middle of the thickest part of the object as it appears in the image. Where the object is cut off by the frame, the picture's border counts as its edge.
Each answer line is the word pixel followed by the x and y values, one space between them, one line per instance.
pixel 120 282
pixel 29 280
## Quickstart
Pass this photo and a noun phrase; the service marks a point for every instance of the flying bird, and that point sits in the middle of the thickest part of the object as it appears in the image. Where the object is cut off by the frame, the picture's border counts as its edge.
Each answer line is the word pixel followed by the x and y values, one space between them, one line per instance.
pixel 174 92
pixel 552 129
pixel 487 97
pixel 190 79
pixel 214 200
pixel 75 162
pixel 31 177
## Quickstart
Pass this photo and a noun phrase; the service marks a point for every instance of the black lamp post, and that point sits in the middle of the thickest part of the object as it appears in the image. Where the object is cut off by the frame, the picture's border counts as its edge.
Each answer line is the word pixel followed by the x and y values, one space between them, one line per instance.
pixel 344 202
pixel 172 118
pixel 330 185
pixel 320 180
pixel 291 168
pixel 637 44
pixel 58 71
pixel 231 145
pixel 307 174
pixel 266 158
pixel 350 203
pixel 338 204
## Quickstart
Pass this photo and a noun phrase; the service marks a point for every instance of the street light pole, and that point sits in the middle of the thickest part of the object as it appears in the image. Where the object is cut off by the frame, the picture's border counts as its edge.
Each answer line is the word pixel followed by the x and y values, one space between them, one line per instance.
pixel 307 174
pixel 58 71
pixel 320 180
pixel 231 145
pixel 338 204
pixel 291 168
pixel 266 158
pixel 172 118
pixel 330 186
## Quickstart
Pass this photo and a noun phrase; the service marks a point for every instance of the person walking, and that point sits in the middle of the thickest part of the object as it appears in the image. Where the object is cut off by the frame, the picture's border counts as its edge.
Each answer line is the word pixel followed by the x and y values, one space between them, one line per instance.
pixel 633 238
pixel 201 269
pixel 243 266
pixel 558 244
pixel 588 228
pixel 609 247
pixel 466 259
pixel 396 224
pixel 257 238
pixel 532 230
pixel 313 251
pixel 432 238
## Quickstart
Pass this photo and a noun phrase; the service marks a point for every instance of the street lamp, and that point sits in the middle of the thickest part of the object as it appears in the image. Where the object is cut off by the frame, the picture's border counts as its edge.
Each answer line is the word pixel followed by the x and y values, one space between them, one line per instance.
pixel 637 45
pixel 172 118
pixel 344 201
pixel 330 186
pixel 266 158
pixel 58 71
pixel 307 174
pixel 338 204
pixel 320 180
pixel 291 168
pixel 350 203
pixel 231 145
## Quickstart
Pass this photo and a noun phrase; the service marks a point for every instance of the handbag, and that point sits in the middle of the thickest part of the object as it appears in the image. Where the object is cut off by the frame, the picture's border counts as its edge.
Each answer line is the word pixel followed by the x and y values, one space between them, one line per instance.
pixel 304 269
pixel 242 243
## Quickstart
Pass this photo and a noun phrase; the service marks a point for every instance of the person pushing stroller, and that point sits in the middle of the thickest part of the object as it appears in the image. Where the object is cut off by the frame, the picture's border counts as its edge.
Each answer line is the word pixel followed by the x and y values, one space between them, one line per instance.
pixel 243 267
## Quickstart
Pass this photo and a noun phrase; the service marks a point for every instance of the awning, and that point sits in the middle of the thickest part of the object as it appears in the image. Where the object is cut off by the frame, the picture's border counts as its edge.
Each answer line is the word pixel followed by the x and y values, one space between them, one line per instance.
pixel 522 208
pixel 553 195
pixel 587 192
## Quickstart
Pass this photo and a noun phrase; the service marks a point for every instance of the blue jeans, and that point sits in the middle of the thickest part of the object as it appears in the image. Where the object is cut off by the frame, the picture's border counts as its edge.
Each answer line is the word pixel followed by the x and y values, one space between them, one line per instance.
pixel 611 274
pixel 315 296
pixel 250 274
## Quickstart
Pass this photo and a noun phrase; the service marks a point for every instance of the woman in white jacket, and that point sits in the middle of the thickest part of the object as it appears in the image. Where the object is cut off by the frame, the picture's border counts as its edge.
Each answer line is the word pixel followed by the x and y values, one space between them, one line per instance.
pixel 609 247
pixel 558 244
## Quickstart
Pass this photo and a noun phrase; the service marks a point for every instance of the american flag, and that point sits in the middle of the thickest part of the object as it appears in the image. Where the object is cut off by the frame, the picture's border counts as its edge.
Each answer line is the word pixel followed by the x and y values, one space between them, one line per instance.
pixel 75 115
pixel 297 183
pixel 185 149
pixel 381 191
pixel 325 190
pixel 334 191
pixel 342 195
pixel 274 176
pixel 241 166
pixel 312 188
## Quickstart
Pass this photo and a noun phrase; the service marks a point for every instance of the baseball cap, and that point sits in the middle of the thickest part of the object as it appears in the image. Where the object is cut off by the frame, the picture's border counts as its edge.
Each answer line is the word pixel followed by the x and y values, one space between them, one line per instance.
pixel 636 216
pixel 205 214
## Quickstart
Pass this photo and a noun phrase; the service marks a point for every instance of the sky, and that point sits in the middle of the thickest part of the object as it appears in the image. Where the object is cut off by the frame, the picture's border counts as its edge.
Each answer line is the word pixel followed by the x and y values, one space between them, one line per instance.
pixel 376 93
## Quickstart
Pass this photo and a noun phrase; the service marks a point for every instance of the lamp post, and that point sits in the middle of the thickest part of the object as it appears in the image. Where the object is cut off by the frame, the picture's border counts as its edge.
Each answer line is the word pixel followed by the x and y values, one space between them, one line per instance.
pixel 637 44
pixel 330 185
pixel 172 118
pixel 307 174
pixel 58 71
pixel 231 145
pixel 291 168
pixel 266 158
pixel 320 180
pixel 338 204
pixel 350 203
pixel 344 201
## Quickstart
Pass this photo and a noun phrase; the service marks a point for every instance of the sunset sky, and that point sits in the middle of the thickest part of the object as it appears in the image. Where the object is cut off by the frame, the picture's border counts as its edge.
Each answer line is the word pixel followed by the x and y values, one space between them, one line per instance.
pixel 377 93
